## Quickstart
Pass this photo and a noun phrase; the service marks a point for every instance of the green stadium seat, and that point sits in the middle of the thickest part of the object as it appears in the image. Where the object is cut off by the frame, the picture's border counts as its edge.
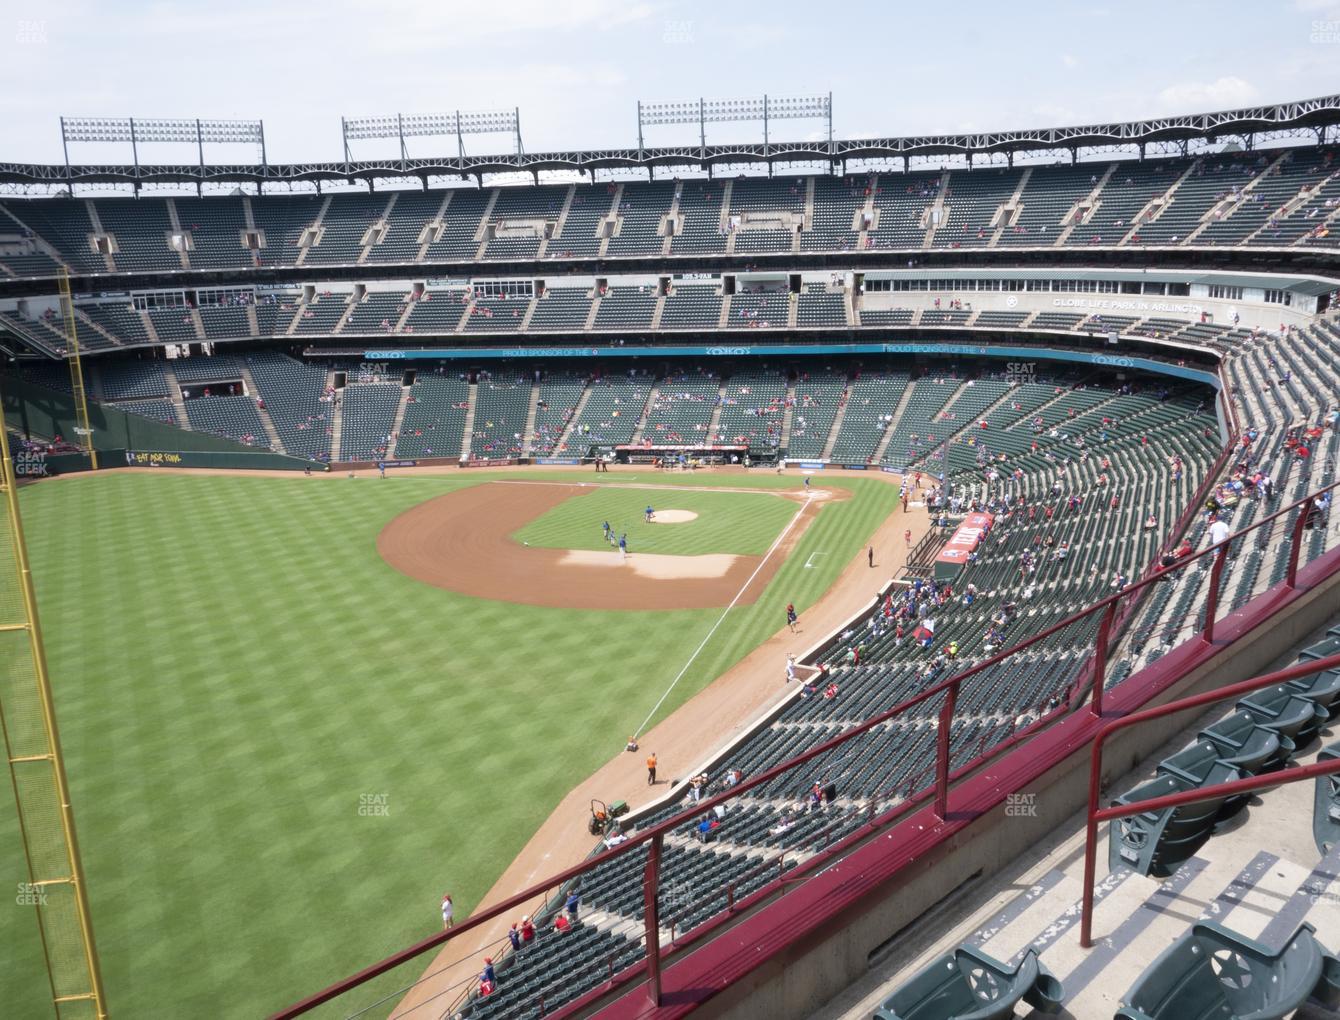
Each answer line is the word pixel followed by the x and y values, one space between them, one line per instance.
pixel 967 984
pixel 1213 973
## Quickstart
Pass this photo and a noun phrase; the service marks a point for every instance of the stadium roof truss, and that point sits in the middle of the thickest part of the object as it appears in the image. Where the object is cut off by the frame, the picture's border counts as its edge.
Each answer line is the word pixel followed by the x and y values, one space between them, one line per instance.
pixel 1309 118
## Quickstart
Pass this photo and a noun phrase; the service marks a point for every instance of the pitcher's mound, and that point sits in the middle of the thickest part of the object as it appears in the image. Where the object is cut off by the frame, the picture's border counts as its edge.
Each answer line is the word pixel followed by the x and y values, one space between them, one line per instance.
pixel 674 517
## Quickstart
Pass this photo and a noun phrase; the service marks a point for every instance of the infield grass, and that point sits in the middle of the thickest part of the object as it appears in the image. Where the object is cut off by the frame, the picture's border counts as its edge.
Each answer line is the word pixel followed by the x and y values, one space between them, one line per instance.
pixel 237 672
pixel 743 523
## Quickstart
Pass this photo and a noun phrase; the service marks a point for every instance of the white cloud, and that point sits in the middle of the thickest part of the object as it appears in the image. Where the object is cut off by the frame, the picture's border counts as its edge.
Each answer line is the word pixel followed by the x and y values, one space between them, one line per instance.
pixel 1070 60
pixel 1204 97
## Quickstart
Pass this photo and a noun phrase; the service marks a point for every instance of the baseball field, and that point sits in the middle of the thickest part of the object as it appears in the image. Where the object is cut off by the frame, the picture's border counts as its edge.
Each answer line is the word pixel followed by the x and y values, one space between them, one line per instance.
pixel 295 711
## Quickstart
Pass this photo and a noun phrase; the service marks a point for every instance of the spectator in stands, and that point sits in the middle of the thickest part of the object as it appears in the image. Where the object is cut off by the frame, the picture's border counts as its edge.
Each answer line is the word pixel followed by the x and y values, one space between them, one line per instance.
pixel 573 903
pixel 562 924
pixel 527 930
pixel 514 937
pixel 488 975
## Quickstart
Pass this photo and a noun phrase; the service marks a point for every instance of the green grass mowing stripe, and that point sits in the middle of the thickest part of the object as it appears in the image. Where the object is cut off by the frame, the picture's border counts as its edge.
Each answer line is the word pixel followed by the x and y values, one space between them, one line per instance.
pixel 234 666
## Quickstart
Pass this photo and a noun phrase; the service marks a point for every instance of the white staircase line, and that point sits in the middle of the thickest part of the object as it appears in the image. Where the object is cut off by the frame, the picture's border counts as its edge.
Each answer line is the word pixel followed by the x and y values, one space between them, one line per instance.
pixel 868 209
pixel 249 216
pixel 658 311
pixel 175 220
pixel 148 324
pixel 199 324
pixel 714 425
pixel 528 431
pixel 885 439
pixel 267 423
pixel 939 204
pixel 253 324
pixel 96 222
pixel 566 435
pixel 531 305
pixel 349 307
pixel 562 221
pixel 86 323
pixel 616 200
pixel 404 315
pixel 467 437
pixel 1290 207
pixel 1138 220
pixel 174 395
pixel 437 218
pixel 336 418
pixel 788 415
pixel 1013 203
pixel 1236 203
pixel 481 229
pixel 646 412
pixel 366 253
pixel 1092 200
pixel 843 401
pixel 43 246
pixel 723 319
pixel 590 322
pixel 398 422
pixel 673 213
pixel 315 225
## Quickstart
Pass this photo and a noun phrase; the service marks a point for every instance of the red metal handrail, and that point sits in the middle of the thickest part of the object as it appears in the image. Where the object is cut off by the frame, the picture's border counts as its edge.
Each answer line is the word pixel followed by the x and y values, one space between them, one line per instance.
pixel 945 778
pixel 1096 814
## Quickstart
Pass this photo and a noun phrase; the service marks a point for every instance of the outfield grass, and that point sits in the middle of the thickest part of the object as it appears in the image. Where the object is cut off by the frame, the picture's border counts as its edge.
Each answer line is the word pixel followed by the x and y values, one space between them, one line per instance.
pixel 236 670
pixel 745 524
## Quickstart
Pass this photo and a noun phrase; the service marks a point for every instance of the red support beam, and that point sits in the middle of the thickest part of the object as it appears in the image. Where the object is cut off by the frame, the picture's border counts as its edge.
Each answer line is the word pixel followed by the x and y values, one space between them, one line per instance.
pixel 1212 599
pixel 1296 541
pixel 942 732
pixel 1095 814
pixel 650 888
pixel 1099 670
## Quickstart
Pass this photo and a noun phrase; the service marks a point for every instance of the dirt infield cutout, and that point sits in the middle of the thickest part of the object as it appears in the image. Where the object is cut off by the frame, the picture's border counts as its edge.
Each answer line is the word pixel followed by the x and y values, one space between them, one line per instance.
pixel 674 517
pixel 462 542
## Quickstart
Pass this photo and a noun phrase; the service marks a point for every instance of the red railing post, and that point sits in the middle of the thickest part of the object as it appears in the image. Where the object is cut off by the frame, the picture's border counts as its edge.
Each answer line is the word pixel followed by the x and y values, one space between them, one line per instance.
pixel 1094 814
pixel 1296 543
pixel 1091 840
pixel 650 882
pixel 1212 602
pixel 942 752
pixel 1100 657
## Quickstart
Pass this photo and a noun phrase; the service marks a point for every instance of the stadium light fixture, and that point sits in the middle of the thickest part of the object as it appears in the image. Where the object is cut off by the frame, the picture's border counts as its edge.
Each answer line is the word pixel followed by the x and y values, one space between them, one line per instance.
pixel 431 125
pixel 720 111
pixel 158 130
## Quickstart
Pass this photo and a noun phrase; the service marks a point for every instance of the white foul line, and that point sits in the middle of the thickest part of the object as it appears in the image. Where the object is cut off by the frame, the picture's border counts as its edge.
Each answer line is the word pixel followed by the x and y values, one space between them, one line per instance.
pixel 722 618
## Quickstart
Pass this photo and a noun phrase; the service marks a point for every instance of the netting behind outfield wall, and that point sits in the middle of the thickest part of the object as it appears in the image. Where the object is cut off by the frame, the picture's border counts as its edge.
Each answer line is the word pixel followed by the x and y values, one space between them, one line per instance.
pixel 54 885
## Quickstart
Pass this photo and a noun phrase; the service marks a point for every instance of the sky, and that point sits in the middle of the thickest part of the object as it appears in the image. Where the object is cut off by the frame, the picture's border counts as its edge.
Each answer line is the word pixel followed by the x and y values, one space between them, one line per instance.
pixel 576 68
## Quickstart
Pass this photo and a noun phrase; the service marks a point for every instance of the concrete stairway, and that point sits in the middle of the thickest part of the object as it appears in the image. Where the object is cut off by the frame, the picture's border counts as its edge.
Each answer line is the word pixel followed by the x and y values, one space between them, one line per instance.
pixel 714 426
pixel 646 410
pixel 906 399
pixel 316 224
pixel 561 446
pixel 267 423
pixel 468 435
pixel 336 419
pixel 1093 200
pixel 398 422
pixel 1141 218
pixel 788 416
pixel 528 432
pixel 837 425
